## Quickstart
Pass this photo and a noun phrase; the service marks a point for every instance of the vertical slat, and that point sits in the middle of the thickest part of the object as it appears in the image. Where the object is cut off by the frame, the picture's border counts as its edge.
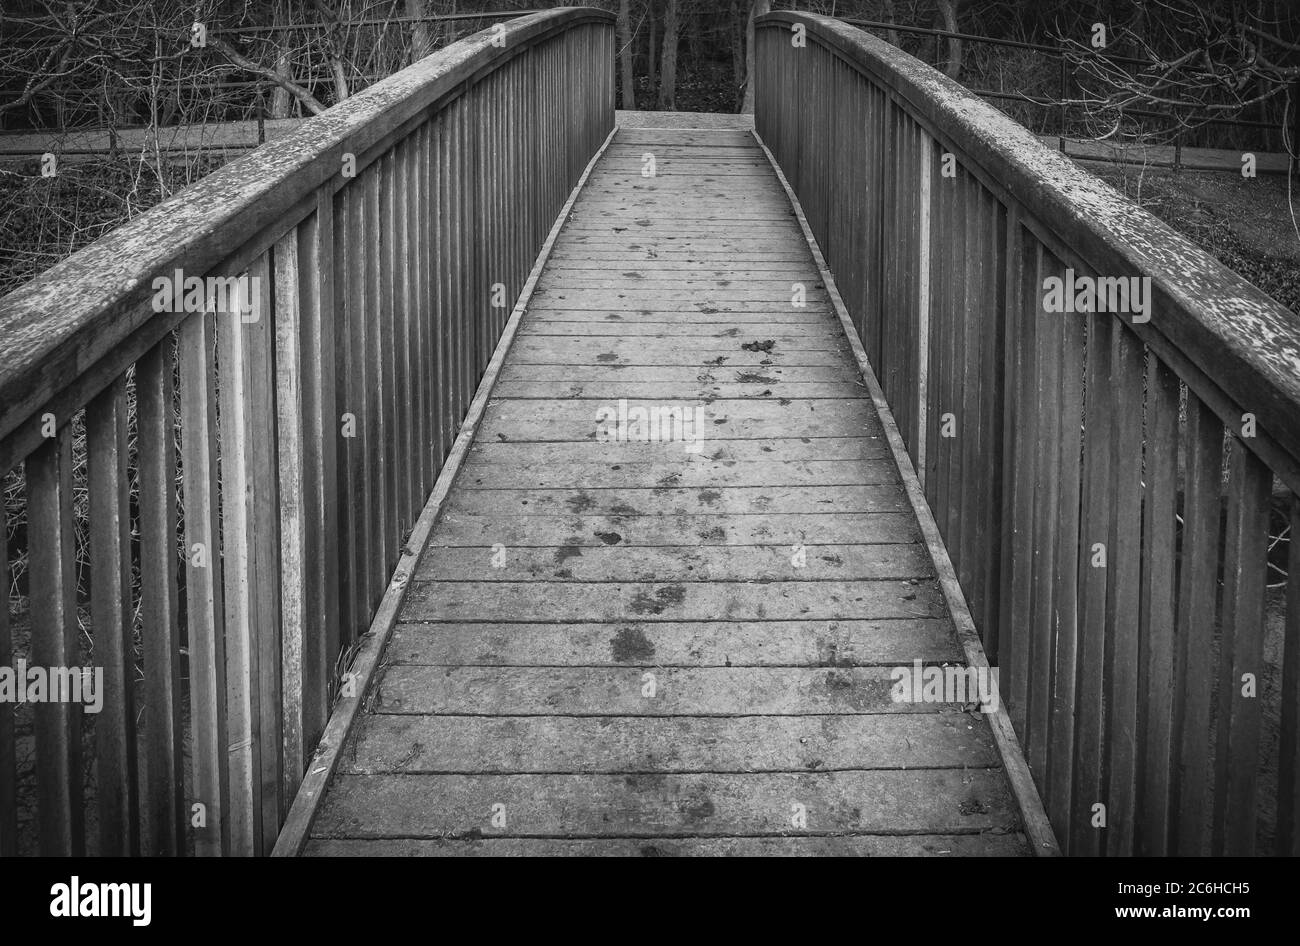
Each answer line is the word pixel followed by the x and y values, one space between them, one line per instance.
pixel 236 404
pixel 316 239
pixel 1288 791
pixel 1159 512
pixel 1060 768
pixel 57 725
pixel 1047 371
pixel 266 544
pixel 380 197
pixel 355 394
pixel 205 619
pixel 373 397
pixel 8 746
pixel 292 476
pixel 1197 587
pixel 112 615
pixel 163 799
pixel 1123 568
pixel 1094 530
pixel 1241 647
pixel 1025 299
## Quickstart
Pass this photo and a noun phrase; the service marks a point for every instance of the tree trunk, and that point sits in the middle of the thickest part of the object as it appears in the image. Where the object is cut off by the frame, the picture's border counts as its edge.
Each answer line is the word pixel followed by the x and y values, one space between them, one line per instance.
pixel 280 98
pixel 419 30
pixel 948 10
pixel 739 17
pixel 625 55
pixel 650 47
pixel 757 8
pixel 668 60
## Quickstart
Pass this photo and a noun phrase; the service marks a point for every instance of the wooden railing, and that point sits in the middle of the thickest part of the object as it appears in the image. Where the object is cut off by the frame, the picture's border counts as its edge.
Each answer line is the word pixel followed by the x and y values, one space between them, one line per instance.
pixel 1116 493
pixel 215 500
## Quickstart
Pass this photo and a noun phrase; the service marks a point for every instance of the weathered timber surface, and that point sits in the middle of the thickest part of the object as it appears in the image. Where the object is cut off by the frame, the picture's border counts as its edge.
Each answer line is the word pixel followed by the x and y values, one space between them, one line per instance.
pixel 681 640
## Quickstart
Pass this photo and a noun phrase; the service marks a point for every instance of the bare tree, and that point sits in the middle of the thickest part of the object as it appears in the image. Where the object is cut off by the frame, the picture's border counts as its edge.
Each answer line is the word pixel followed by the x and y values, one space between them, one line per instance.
pixel 756 8
pixel 625 54
pixel 668 59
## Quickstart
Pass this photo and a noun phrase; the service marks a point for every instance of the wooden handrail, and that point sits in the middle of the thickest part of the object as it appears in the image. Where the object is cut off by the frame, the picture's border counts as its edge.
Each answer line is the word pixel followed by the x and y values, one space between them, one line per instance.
pixel 353 278
pixel 1103 480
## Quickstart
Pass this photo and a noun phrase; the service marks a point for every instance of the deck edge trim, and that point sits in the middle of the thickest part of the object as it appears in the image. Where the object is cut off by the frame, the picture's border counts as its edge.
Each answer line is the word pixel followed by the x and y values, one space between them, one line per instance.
pixel 296 830
pixel 1037 827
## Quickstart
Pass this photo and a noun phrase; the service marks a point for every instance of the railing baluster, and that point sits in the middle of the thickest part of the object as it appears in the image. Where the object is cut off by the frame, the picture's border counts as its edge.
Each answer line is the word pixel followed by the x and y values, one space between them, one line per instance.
pixel 163 798
pixel 1159 558
pixel 54 643
pixel 1197 608
pixel 238 548
pixel 203 579
pixel 292 476
pixel 113 619
pixel 1241 652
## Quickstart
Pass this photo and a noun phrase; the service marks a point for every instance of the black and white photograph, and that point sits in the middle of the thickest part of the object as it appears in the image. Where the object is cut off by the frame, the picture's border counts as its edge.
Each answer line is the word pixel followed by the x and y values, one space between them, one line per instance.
pixel 841 428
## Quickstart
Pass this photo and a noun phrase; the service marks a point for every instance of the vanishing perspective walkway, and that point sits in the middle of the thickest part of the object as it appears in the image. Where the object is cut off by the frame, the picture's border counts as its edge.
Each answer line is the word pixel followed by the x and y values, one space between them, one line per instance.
pixel 620 644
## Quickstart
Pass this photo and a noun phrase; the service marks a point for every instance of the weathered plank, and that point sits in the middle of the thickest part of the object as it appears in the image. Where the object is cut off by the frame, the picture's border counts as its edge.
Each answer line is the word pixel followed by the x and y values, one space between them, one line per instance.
pixel 925 801
pixel 613 601
pixel 686 644
pixel 680 563
pixel 829 528
pixel 514 744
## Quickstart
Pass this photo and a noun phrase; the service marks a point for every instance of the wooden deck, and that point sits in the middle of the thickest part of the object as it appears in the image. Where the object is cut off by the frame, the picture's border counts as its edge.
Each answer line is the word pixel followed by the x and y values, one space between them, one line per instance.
pixel 608 647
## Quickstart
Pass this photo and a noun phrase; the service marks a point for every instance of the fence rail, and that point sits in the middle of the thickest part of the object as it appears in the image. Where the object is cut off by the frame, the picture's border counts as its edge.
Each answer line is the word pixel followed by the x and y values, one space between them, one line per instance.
pixel 1113 491
pixel 372 257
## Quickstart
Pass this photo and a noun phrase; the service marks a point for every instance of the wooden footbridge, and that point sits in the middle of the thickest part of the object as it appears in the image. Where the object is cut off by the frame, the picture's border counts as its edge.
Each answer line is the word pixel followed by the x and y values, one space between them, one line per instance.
pixel 544 485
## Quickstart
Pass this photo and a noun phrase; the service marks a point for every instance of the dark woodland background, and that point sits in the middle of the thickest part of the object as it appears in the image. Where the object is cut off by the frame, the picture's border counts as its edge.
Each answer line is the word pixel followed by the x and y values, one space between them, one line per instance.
pixel 118 63
pixel 1206 73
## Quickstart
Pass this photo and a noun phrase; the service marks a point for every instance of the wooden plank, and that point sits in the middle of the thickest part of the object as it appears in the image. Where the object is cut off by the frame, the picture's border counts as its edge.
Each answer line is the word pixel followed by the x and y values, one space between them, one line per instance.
pixel 670 501
pixel 292 504
pixel 505 471
pixel 669 745
pixel 162 795
pixel 112 616
pixel 458 530
pixel 1197 608
pixel 1046 361
pixel 696 425
pixel 265 577
pixel 1241 653
pixel 613 601
pixel 864 845
pixel 54 644
pixel 238 549
pixel 205 618
pixel 841 643
pixel 1094 530
pixel 8 746
pixel 1158 737
pixel 1288 793
pixel 1123 601
pixel 679 563
pixel 317 239
pixel 922 801
pixel 622 691
pixel 1065 575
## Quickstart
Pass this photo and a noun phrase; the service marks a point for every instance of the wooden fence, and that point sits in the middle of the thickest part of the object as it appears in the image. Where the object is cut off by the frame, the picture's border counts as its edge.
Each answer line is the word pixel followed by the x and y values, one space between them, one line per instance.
pixel 1116 492
pixel 243 519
